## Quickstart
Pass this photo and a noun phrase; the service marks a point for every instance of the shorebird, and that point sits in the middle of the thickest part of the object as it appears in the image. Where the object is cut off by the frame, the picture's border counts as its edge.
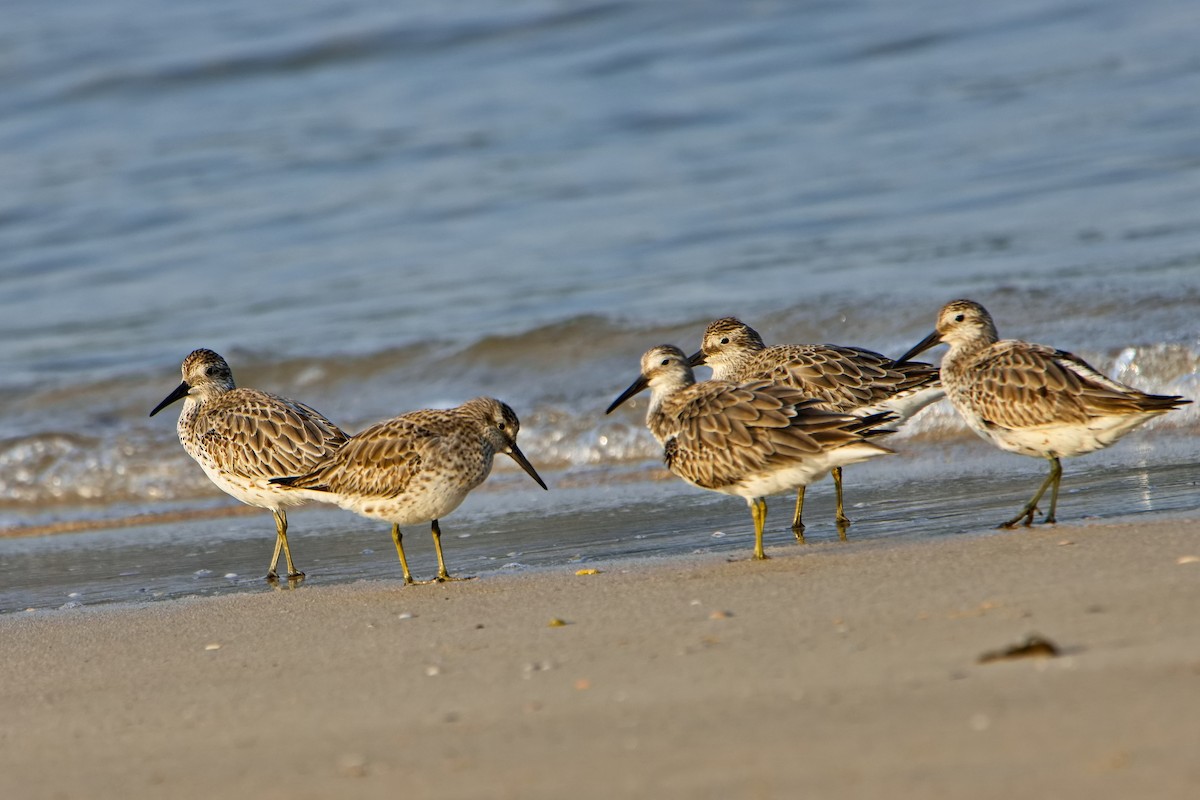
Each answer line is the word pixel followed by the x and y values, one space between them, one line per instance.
pixel 1033 399
pixel 750 440
pixel 242 438
pixel 849 380
pixel 416 467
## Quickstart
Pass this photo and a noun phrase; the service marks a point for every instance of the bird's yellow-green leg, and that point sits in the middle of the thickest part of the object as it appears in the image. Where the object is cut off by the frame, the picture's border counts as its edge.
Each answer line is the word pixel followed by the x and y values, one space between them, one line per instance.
pixel 797 524
pixel 843 521
pixel 397 538
pixel 272 575
pixel 758 511
pixel 1056 473
pixel 281 544
pixel 1028 510
pixel 442 575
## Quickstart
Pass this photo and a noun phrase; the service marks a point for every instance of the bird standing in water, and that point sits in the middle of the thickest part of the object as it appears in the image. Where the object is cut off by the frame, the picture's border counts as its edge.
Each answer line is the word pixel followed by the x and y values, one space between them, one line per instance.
pixel 1033 399
pixel 242 438
pixel 417 467
pixel 751 440
pixel 849 380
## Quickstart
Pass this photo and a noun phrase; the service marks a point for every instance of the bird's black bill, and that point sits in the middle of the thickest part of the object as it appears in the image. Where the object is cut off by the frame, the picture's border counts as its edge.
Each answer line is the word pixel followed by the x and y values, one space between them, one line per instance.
pixel 180 391
pixel 697 359
pixel 520 458
pixel 929 341
pixel 634 388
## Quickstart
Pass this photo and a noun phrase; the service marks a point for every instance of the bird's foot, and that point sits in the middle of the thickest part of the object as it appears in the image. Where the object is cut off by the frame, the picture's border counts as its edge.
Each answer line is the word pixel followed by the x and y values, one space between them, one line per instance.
pixel 842 524
pixel 1026 515
pixel 446 577
pixel 293 580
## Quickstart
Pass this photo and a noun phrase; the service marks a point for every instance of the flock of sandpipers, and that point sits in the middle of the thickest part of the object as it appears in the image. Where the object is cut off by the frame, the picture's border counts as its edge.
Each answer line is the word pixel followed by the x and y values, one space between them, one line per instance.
pixel 771 419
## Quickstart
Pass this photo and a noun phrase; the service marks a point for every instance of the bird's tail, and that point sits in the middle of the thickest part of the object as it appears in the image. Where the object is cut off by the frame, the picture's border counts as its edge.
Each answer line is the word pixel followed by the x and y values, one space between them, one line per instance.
pixel 299 482
pixel 868 426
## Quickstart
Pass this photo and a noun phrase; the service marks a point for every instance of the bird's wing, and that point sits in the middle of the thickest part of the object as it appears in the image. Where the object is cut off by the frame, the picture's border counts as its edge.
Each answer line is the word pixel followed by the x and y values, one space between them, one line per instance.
pixel 723 432
pixel 259 435
pixel 1018 384
pixel 380 461
pixel 841 378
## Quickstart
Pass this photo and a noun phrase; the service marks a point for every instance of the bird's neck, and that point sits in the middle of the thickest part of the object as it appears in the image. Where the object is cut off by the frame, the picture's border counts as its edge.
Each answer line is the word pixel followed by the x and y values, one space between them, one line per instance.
pixel 662 388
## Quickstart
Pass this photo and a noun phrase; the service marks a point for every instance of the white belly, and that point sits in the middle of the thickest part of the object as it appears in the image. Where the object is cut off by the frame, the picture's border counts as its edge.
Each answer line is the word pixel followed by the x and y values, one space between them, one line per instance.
pixel 430 501
pixel 1062 440
pixel 254 492
pixel 802 473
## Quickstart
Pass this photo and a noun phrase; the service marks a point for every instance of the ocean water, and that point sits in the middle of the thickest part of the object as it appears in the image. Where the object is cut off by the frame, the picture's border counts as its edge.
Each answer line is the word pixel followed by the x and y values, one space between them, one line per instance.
pixel 375 207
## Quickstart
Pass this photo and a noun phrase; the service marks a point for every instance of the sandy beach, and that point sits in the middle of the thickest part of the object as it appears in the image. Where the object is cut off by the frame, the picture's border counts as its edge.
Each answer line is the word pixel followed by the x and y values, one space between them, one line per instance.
pixel 827 671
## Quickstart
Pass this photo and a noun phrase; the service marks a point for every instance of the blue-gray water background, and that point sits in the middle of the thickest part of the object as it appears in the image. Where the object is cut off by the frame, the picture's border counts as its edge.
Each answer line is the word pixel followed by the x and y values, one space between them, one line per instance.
pixel 375 207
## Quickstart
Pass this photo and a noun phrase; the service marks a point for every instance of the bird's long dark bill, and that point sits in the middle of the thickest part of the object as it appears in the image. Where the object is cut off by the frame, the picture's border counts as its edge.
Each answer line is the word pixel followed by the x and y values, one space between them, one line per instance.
pixel 520 458
pixel 634 388
pixel 180 391
pixel 929 341
pixel 698 358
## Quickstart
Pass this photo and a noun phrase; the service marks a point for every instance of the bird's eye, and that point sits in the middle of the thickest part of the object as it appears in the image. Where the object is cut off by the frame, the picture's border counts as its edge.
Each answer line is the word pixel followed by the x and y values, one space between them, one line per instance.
pixel 959 318
pixel 500 425
pixel 724 340
pixel 211 371
pixel 666 361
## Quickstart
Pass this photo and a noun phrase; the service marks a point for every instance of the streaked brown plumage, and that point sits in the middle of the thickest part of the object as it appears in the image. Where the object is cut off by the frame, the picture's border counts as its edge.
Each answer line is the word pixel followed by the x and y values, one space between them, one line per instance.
pixel 243 438
pixel 416 467
pixel 850 380
pixel 750 440
pixel 1033 399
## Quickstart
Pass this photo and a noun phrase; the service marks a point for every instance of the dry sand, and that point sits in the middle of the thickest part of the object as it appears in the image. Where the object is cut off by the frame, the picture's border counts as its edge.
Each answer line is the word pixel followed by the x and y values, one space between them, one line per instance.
pixel 828 671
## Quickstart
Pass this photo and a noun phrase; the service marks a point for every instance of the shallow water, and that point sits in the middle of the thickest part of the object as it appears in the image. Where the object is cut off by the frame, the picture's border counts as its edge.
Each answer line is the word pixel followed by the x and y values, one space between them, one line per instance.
pixel 376 208
pixel 521 530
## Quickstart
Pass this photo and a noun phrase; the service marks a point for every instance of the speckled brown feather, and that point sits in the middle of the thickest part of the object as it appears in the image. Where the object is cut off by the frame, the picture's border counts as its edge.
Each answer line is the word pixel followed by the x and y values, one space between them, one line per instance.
pixel 840 378
pixel 391 457
pixel 715 433
pixel 259 435
pixel 1015 384
pixel 394 450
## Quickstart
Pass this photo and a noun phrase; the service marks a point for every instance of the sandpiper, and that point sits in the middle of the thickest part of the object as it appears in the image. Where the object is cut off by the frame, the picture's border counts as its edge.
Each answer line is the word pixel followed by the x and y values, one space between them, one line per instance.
pixel 1033 399
pixel 416 467
pixel 850 380
pixel 243 438
pixel 751 440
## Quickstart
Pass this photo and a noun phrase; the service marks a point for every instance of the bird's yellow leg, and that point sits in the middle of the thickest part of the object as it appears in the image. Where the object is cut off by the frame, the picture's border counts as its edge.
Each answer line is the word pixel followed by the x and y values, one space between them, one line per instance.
pixel 797 523
pixel 758 511
pixel 1030 508
pixel 398 538
pixel 272 575
pixel 1056 474
pixel 442 575
pixel 281 544
pixel 843 521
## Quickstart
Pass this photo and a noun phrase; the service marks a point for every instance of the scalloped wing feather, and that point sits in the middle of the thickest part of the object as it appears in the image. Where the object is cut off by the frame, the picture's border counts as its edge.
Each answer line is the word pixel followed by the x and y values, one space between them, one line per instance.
pixel 380 461
pixel 262 436
pixel 718 433
pixel 841 378
pixel 1021 385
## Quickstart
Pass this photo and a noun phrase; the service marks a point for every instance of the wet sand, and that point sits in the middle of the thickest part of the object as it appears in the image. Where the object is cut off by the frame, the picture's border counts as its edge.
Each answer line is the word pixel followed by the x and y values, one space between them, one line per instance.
pixel 828 671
